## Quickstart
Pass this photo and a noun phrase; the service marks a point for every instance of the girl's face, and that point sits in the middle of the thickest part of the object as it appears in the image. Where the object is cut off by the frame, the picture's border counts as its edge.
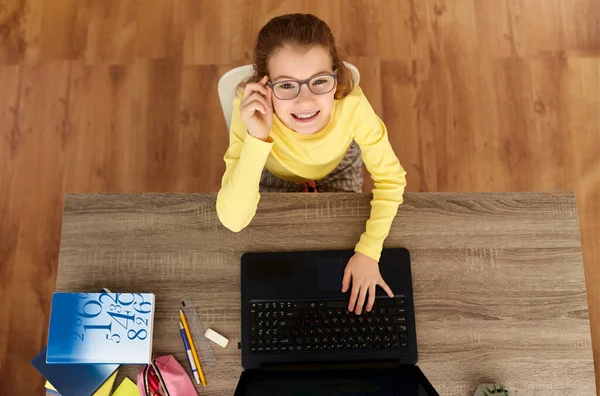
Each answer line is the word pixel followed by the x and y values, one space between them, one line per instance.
pixel 289 63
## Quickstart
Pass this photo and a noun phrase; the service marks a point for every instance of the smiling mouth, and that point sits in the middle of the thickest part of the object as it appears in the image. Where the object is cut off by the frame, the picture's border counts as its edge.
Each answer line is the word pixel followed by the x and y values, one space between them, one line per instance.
pixel 305 117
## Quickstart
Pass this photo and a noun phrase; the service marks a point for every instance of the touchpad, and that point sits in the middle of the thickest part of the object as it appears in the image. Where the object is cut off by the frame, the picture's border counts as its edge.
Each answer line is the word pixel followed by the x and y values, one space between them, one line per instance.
pixel 331 272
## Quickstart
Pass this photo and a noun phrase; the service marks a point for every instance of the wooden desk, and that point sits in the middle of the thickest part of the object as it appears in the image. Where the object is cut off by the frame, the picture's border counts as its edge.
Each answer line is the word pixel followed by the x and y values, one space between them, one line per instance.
pixel 498 278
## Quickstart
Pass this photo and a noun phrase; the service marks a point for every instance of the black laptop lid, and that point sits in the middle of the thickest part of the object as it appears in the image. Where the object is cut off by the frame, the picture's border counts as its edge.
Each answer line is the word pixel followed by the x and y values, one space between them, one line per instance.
pixel 400 381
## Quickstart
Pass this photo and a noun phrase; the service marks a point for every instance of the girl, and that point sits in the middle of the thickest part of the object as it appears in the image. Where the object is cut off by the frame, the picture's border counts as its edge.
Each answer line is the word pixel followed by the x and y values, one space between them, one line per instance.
pixel 301 125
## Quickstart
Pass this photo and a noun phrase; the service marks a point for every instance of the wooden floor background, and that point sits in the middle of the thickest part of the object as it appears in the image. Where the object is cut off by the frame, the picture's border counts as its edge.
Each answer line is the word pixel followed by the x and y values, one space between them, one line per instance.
pixel 121 96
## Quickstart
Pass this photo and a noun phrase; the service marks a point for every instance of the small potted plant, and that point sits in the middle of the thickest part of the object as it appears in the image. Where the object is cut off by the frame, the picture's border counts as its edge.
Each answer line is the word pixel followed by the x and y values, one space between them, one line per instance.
pixel 491 390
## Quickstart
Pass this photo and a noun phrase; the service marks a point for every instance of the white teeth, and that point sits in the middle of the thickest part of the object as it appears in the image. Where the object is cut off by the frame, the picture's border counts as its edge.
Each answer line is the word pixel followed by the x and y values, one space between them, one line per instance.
pixel 305 115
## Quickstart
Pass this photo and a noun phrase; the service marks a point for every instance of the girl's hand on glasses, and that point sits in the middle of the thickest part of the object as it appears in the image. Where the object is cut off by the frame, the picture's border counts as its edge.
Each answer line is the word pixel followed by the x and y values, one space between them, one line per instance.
pixel 256 108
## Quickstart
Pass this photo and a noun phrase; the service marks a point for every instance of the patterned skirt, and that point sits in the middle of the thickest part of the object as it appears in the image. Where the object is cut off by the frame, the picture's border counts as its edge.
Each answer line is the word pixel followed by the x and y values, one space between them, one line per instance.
pixel 346 177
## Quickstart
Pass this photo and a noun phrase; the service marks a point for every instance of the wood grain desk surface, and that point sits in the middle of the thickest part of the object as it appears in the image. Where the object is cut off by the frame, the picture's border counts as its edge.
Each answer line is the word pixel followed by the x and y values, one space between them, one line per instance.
pixel 498 278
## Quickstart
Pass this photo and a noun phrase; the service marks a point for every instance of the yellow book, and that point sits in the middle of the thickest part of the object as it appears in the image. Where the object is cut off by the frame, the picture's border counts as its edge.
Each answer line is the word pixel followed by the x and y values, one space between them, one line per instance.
pixel 104 390
pixel 127 388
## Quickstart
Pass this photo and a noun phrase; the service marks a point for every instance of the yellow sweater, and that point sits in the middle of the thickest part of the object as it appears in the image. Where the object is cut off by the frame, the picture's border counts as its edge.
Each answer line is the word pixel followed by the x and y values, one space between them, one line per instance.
pixel 295 157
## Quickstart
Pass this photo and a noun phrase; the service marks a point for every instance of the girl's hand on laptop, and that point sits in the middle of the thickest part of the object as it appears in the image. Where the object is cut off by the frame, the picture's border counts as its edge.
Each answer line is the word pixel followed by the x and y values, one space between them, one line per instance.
pixel 256 108
pixel 365 276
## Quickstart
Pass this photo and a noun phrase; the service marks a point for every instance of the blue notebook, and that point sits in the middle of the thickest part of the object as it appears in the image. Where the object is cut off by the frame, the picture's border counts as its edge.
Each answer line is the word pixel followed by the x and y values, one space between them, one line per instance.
pixel 73 379
pixel 101 328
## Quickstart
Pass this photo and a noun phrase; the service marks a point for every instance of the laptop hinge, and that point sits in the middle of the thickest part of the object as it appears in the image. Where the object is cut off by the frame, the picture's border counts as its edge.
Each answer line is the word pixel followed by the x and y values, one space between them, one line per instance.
pixel 321 366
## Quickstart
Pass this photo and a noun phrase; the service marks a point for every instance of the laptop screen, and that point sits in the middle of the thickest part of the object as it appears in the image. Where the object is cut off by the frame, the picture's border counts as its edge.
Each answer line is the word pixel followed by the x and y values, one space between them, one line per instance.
pixel 397 381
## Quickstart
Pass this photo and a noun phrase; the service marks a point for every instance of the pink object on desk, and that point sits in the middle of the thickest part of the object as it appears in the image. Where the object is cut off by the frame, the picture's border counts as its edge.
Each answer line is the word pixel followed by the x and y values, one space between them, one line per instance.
pixel 175 378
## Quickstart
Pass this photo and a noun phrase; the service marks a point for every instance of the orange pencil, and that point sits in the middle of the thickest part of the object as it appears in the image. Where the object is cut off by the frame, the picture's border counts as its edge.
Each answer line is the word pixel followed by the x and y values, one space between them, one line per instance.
pixel 193 347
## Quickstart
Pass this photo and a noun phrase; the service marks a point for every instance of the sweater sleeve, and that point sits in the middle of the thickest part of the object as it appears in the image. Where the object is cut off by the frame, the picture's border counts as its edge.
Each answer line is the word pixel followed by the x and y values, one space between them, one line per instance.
pixel 245 159
pixel 388 175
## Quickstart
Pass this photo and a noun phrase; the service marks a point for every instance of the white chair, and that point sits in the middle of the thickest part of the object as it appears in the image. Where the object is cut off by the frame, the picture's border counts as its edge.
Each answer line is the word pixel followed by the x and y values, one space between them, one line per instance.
pixel 230 80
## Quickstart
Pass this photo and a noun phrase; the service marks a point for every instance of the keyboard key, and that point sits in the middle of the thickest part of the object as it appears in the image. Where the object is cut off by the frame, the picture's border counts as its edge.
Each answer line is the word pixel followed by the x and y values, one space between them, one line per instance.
pixel 395 311
pixel 399 328
pixel 337 304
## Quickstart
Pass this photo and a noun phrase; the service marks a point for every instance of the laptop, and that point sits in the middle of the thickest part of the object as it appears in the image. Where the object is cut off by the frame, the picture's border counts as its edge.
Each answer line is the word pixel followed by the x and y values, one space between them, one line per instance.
pixel 298 336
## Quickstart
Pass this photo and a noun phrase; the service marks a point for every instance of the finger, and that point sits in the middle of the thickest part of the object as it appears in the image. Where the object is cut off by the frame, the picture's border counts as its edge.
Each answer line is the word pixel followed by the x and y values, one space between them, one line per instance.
pixel 353 296
pixel 270 97
pixel 256 96
pixel 361 299
pixel 372 290
pixel 386 288
pixel 264 80
pixel 346 281
pixel 254 87
pixel 251 107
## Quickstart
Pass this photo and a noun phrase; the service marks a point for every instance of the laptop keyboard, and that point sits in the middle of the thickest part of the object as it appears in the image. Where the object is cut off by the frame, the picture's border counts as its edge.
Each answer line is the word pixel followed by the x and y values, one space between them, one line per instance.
pixel 326 325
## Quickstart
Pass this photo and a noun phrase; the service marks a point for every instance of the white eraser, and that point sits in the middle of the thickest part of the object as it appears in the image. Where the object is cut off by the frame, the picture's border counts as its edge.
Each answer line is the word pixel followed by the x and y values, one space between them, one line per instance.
pixel 216 337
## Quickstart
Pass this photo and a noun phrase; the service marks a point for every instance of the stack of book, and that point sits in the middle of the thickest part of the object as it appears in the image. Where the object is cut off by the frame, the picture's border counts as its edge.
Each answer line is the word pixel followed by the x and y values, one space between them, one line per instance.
pixel 90 335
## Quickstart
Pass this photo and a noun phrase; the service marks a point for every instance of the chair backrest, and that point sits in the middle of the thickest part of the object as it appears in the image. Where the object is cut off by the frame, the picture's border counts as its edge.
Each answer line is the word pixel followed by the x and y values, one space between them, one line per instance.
pixel 231 79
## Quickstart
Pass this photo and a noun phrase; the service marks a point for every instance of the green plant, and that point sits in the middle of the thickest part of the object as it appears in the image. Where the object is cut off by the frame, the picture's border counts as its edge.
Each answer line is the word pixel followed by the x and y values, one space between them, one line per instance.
pixel 496 391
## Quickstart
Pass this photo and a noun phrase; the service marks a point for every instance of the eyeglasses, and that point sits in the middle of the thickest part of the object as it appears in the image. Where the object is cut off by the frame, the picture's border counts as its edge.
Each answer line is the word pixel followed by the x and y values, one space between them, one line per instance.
pixel 289 89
